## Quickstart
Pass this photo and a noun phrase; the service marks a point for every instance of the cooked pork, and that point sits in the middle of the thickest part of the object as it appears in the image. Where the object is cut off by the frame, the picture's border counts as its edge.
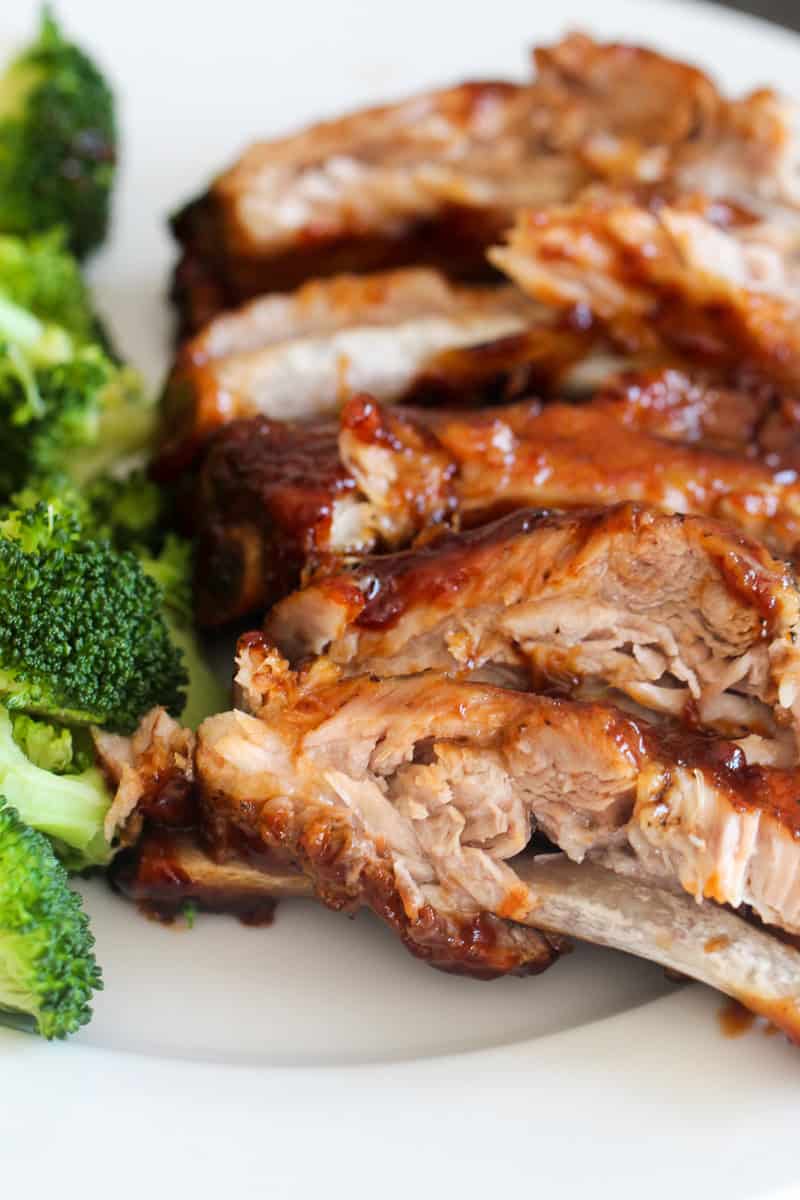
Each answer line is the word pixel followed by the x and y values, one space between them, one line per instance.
pixel 680 614
pixel 404 335
pixel 717 410
pixel 569 455
pixel 277 498
pixel 726 292
pixel 414 796
pixel 166 872
pixel 434 179
pixel 274 497
pixel 152 773
pixel 569 638
pixel 169 869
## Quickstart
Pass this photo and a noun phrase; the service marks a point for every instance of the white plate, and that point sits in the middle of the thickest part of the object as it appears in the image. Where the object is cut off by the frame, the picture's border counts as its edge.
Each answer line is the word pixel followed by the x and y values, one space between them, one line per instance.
pixel 316 1057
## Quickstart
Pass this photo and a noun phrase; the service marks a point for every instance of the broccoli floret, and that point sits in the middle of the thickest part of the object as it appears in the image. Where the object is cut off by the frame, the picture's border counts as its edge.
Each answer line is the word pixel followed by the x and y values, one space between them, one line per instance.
pixel 61 409
pixel 38 274
pixel 172 569
pixel 82 632
pixel 50 747
pixel 46 746
pixel 58 142
pixel 65 798
pixel 48 970
pixel 129 513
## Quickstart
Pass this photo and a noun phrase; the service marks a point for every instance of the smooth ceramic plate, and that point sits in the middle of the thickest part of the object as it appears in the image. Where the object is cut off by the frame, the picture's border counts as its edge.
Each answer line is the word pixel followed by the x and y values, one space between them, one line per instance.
pixel 316 1057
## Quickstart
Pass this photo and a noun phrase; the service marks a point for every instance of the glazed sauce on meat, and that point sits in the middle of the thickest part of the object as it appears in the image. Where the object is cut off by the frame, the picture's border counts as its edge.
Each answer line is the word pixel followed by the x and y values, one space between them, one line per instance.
pixel 153 875
pixel 399 581
pixel 267 492
pixel 735 1020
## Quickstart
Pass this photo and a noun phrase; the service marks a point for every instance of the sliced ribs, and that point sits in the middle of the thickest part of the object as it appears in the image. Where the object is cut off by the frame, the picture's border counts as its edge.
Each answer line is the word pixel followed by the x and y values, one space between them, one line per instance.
pixel 275 499
pixel 679 614
pixel 403 336
pixel 416 796
pixel 436 178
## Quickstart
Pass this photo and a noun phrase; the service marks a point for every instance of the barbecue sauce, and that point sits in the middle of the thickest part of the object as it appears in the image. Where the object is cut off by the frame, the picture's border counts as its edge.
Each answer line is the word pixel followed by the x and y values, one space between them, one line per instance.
pixel 735 1020
pixel 154 876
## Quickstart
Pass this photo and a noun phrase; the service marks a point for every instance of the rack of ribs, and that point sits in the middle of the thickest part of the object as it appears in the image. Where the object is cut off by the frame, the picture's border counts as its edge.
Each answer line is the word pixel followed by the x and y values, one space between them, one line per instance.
pixel 490 410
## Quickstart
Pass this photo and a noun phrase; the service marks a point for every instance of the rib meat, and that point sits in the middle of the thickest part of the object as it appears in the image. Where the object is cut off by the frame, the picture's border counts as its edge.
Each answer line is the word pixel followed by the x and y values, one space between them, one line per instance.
pixel 169 869
pixel 415 796
pixel 678 271
pixel 276 498
pixel 680 614
pixel 436 178
pixel 402 335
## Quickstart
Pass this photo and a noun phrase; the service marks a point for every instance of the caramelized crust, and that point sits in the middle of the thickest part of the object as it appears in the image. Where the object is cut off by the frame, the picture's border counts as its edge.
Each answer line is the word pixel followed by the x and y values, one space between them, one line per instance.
pixel 275 498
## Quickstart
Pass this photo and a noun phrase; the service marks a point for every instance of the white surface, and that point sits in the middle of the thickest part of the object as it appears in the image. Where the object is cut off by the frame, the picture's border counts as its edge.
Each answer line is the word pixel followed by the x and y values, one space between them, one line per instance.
pixel 307 1058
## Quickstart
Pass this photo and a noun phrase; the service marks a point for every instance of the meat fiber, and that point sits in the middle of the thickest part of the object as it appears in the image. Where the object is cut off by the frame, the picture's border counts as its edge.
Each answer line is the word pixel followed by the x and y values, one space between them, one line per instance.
pixel 679 614
pixel 415 796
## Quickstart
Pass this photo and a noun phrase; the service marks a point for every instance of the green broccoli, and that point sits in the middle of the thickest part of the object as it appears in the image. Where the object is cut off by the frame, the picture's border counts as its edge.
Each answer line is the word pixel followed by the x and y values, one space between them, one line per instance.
pixel 172 570
pixel 58 142
pixel 38 274
pixel 61 408
pixel 130 513
pixel 82 632
pixel 50 776
pixel 86 636
pixel 48 970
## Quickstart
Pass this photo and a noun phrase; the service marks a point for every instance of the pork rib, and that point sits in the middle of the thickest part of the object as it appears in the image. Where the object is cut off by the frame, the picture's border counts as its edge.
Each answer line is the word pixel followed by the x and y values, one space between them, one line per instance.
pixel 415 796
pixel 166 872
pixel 680 614
pixel 675 271
pixel 434 179
pixel 276 499
pixel 402 335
